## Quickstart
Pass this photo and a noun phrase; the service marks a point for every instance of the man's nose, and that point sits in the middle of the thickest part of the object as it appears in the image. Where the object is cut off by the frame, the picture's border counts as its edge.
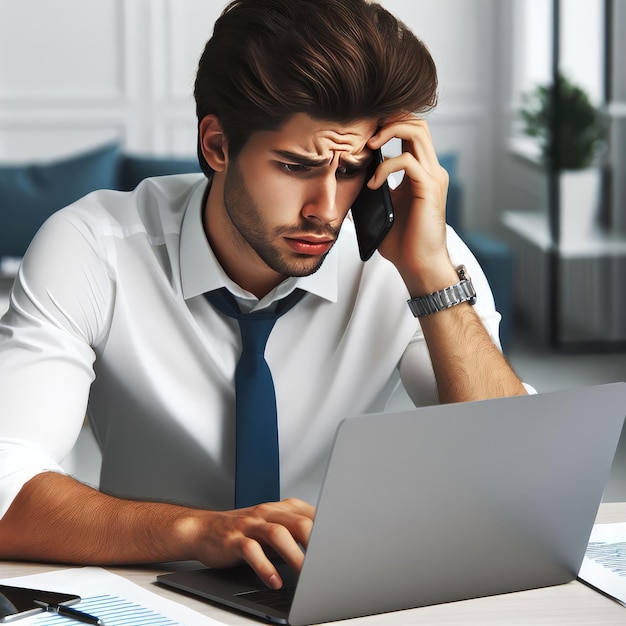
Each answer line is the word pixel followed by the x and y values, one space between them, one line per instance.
pixel 321 200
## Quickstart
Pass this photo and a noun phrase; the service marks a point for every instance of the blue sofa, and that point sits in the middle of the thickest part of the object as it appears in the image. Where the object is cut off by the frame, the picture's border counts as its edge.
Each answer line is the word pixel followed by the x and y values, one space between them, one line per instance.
pixel 30 193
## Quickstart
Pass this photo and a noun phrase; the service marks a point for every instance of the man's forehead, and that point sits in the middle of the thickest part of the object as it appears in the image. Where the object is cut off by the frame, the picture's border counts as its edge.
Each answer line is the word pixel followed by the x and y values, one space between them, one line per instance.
pixel 337 142
pixel 321 136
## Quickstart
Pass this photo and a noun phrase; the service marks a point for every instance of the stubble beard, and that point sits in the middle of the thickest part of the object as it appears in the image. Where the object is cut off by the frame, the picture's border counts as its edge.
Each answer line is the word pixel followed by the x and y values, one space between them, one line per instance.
pixel 252 231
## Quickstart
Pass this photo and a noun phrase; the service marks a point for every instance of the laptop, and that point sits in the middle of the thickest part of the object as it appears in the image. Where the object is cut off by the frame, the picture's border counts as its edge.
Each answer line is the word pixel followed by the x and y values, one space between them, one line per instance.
pixel 443 503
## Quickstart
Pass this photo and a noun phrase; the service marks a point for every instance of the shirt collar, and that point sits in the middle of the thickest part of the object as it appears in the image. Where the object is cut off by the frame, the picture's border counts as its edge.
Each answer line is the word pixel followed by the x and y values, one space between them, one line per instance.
pixel 201 271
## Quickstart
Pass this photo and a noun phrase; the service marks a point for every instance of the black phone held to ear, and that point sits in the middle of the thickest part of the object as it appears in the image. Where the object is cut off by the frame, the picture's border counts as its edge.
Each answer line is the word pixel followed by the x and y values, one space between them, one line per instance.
pixel 372 212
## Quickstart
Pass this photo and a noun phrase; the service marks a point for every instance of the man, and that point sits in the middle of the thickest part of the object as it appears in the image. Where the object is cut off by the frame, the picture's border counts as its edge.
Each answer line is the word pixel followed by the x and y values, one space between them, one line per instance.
pixel 111 313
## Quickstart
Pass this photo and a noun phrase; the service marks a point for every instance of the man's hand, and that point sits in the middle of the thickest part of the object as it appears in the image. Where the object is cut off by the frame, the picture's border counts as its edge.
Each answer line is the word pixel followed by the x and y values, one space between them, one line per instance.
pixel 467 363
pixel 249 534
pixel 55 518
pixel 416 244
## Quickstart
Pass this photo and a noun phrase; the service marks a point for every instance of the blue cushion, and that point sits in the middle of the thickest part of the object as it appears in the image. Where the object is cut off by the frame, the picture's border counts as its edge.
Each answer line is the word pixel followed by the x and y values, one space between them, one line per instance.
pixel 453 207
pixel 498 263
pixel 448 161
pixel 135 168
pixel 30 193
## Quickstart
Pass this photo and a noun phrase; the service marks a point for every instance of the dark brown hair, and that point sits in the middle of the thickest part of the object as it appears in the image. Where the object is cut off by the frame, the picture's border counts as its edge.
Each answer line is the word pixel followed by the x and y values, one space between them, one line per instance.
pixel 337 60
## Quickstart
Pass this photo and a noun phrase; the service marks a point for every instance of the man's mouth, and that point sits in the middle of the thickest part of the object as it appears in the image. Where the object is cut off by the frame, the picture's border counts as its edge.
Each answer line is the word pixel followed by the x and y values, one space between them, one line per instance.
pixel 313 246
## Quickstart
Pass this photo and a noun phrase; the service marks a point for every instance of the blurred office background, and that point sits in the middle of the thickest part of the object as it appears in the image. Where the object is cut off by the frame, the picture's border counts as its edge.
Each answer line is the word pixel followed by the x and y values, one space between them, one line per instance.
pixel 78 74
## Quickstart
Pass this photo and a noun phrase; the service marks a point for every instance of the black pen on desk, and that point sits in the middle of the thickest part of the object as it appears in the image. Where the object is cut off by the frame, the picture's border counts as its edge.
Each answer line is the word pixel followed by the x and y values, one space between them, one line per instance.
pixel 67 611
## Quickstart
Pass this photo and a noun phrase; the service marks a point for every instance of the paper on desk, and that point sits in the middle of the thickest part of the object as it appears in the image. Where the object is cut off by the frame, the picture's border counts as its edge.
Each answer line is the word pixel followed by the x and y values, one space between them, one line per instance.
pixel 114 599
pixel 604 565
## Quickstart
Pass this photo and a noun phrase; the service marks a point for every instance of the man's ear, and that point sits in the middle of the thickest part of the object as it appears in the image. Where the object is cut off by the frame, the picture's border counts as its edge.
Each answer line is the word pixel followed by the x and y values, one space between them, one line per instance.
pixel 213 143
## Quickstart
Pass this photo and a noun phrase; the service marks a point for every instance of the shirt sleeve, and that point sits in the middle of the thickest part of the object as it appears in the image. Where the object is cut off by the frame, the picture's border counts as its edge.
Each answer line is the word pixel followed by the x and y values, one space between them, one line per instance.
pixel 57 310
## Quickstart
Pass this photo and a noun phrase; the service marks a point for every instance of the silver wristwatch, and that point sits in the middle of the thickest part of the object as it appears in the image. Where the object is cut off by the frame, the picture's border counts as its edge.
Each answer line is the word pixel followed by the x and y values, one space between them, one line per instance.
pixel 463 291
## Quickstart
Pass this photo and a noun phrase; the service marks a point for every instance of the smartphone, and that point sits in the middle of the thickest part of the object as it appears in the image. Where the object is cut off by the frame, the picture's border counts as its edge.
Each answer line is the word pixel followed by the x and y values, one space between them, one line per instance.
pixel 17 602
pixel 372 212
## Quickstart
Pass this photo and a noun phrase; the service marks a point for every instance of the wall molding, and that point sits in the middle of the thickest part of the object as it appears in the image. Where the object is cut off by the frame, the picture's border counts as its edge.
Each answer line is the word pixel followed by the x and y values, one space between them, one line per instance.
pixel 111 93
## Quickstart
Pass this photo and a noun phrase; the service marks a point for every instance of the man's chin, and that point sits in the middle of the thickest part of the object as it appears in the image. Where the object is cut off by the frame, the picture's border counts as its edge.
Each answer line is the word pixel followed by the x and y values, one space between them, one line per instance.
pixel 297 266
pixel 300 270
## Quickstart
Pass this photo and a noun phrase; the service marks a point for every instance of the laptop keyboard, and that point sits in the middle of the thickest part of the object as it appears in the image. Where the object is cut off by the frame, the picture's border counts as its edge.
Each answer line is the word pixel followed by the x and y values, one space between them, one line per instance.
pixel 280 599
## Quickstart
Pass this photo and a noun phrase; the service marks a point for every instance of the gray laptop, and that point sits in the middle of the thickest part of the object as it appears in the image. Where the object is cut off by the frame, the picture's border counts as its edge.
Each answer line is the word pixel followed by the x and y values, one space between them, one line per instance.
pixel 443 503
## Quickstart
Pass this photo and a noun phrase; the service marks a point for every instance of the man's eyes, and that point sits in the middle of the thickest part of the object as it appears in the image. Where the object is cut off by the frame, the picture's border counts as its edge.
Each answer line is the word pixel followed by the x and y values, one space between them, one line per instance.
pixel 349 171
pixel 344 171
pixel 294 168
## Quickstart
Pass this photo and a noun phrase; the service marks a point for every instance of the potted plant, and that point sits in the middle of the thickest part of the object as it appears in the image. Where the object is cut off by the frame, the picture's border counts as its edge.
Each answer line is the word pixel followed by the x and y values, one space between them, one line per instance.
pixel 572 151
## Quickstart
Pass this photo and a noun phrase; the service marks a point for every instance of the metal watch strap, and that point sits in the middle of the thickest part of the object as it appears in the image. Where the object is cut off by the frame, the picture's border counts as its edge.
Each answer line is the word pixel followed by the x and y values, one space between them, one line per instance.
pixel 463 291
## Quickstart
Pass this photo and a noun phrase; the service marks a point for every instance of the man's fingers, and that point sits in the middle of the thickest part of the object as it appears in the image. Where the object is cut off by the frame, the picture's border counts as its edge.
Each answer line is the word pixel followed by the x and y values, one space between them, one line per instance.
pixel 281 540
pixel 298 519
pixel 416 140
pixel 286 528
pixel 254 555
pixel 276 527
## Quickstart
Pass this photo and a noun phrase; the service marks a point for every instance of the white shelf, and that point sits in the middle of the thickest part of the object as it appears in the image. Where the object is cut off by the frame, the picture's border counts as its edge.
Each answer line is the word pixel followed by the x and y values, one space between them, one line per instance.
pixel 533 226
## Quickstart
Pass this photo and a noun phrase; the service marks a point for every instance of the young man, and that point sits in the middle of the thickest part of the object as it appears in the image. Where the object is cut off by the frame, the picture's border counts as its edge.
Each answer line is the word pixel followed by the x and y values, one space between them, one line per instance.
pixel 110 312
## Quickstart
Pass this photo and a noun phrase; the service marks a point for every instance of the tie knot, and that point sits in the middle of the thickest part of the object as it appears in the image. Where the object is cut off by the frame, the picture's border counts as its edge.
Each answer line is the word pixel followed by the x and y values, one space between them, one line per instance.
pixel 224 301
pixel 255 332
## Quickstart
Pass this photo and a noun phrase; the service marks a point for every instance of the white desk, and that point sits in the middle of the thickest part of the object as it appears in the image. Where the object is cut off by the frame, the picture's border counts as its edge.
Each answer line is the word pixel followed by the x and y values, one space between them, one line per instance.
pixel 573 604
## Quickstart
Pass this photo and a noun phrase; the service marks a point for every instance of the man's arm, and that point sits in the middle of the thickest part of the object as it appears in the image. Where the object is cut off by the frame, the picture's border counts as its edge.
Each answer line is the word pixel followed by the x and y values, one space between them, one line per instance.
pixel 59 309
pixel 466 362
pixel 55 518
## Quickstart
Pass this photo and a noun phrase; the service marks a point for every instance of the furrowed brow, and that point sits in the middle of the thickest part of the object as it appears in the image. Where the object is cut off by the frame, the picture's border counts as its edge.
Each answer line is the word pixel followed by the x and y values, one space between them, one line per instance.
pixel 358 162
pixel 300 159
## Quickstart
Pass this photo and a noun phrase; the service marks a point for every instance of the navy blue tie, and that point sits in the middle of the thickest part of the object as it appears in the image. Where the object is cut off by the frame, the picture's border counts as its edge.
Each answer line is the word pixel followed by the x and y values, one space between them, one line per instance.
pixel 257 475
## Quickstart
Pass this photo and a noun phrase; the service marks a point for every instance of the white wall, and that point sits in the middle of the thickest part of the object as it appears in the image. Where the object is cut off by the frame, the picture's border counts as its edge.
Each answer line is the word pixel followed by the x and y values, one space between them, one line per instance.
pixel 461 36
pixel 76 73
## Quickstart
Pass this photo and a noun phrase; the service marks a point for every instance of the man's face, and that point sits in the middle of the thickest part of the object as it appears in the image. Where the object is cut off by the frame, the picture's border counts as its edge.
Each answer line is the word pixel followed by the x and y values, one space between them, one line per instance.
pixel 288 192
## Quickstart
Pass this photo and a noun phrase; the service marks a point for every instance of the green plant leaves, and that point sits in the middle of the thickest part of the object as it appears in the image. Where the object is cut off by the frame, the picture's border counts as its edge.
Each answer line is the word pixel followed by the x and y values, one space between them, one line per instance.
pixel 580 126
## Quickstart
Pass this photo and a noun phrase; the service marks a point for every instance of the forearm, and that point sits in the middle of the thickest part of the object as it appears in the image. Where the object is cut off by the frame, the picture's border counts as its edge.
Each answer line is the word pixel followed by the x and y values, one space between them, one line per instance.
pixel 56 518
pixel 467 363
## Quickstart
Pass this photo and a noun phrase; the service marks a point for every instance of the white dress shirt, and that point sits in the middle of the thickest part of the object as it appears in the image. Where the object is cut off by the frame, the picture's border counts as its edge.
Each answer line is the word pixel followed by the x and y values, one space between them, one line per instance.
pixel 107 317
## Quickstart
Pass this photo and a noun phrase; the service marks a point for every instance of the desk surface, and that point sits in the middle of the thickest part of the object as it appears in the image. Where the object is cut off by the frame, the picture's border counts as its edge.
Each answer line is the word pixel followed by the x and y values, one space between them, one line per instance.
pixel 573 603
